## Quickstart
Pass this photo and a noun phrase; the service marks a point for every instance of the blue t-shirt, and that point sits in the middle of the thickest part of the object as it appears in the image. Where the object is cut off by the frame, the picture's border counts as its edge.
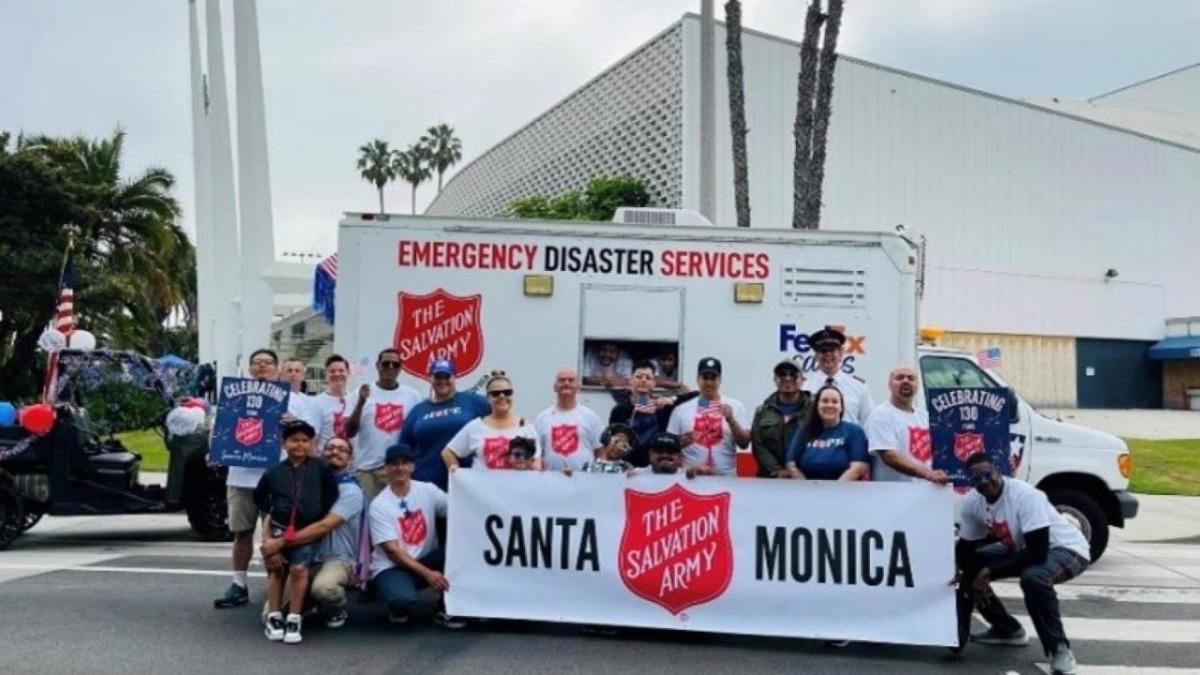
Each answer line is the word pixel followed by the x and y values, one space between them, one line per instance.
pixel 430 426
pixel 829 455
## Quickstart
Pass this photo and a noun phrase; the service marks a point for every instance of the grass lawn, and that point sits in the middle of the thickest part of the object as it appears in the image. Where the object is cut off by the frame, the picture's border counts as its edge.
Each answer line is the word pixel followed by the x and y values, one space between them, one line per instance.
pixel 149 445
pixel 1165 467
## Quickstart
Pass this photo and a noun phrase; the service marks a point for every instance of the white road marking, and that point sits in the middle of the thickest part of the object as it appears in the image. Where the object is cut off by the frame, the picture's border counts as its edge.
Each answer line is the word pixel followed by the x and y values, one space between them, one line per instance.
pixel 122 570
pixel 1170 596
pixel 1125 630
pixel 1125 670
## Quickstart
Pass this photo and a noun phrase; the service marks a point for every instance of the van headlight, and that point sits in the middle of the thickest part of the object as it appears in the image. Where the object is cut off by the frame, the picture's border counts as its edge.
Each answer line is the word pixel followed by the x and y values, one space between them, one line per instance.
pixel 1125 464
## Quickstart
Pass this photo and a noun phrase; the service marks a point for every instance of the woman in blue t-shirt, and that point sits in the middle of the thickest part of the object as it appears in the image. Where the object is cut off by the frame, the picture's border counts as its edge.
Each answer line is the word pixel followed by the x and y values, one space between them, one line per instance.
pixel 827 448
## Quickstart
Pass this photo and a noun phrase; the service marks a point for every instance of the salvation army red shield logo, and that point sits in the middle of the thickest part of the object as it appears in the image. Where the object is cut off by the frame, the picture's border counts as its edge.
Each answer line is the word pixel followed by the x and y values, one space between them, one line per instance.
pixel 249 430
pixel 706 428
pixel 920 444
pixel 413 529
pixel 966 444
pixel 389 417
pixel 438 325
pixel 564 438
pixel 676 551
pixel 495 452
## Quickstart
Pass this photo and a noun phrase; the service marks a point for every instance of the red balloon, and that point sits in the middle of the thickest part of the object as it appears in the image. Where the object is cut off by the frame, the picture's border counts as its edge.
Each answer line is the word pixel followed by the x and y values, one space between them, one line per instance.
pixel 38 419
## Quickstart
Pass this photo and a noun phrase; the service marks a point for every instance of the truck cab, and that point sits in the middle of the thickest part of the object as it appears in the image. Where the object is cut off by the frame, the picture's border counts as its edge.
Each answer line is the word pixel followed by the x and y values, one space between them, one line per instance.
pixel 1084 472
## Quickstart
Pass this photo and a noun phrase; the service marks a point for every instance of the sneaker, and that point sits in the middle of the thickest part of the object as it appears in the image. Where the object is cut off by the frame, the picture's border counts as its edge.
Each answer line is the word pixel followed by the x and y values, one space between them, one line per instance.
pixel 235 596
pixel 273 626
pixel 1063 662
pixel 336 618
pixel 837 644
pixel 450 622
pixel 291 630
pixel 992 636
pixel 397 618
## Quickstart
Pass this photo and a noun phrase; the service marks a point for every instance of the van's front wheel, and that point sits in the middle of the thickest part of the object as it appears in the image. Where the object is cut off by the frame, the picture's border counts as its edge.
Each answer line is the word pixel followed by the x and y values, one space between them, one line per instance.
pixel 1084 513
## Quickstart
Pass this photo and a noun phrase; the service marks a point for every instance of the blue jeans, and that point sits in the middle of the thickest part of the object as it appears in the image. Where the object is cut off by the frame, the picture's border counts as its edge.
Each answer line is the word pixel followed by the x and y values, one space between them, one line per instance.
pixel 1037 584
pixel 399 586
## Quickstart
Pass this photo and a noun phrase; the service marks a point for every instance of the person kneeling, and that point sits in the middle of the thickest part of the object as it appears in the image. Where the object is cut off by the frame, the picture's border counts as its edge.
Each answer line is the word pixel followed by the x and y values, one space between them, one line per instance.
pixel 294 494
pixel 407 555
pixel 1010 529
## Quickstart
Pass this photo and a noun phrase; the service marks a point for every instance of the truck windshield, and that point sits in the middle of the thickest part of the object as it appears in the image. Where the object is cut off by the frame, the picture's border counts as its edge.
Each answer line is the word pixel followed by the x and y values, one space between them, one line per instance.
pixel 948 372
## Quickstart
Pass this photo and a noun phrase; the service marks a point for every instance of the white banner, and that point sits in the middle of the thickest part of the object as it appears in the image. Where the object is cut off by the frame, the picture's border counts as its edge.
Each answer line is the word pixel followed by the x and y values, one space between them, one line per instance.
pixel 856 561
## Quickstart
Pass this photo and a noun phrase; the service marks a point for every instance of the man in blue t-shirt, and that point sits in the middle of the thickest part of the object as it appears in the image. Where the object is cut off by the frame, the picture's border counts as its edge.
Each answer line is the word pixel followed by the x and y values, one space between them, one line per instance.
pixel 434 421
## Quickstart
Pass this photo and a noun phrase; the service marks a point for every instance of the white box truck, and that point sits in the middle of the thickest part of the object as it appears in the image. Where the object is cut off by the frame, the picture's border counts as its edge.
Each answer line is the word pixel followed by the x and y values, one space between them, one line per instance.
pixel 532 297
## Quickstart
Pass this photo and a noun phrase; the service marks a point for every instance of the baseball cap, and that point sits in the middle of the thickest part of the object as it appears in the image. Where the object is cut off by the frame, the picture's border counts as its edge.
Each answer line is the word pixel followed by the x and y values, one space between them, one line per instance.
pixel 293 427
pixel 664 441
pixel 441 367
pixel 786 365
pixel 709 366
pixel 828 336
pixel 399 452
pixel 522 447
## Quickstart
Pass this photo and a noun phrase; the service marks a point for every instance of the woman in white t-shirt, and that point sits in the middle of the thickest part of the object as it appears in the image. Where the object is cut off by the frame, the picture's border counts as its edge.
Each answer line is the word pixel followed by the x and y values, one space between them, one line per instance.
pixel 485 439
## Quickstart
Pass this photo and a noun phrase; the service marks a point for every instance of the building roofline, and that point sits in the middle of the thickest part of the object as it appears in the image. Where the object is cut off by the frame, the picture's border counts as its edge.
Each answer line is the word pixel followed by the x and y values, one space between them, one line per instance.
pixel 1145 81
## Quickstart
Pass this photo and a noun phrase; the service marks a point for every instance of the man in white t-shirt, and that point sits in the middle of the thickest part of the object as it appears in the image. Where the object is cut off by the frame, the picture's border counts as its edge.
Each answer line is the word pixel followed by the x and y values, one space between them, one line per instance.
pixel 829 346
pixel 898 434
pixel 606 365
pixel 1010 529
pixel 377 414
pixel 712 427
pixel 407 555
pixel 302 405
pixel 568 432
pixel 332 401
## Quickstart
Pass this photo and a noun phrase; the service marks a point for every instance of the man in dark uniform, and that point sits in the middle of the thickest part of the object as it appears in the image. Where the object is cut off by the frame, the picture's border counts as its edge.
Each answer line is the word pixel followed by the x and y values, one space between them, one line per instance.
pixel 778 418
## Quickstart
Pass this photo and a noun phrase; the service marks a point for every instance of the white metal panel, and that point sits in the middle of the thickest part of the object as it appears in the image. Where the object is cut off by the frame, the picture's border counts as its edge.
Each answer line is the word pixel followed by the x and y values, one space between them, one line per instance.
pixel 1177 91
pixel 606 311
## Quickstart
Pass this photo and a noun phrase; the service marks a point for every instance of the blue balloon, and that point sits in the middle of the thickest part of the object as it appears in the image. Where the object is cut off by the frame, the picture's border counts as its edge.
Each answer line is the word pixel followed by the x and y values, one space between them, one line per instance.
pixel 8 414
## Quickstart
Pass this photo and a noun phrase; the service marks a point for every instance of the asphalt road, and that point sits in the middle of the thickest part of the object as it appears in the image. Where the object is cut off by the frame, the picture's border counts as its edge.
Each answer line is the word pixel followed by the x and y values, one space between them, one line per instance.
pixel 134 595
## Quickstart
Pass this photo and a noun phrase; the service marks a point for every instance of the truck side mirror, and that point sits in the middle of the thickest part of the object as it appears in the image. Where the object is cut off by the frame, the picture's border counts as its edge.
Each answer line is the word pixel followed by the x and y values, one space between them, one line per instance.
pixel 1014 407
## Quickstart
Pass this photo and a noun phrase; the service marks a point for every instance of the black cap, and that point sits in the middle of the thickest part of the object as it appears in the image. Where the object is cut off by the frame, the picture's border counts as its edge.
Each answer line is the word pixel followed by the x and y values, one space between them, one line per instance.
pixel 827 336
pixel 522 447
pixel 785 366
pixel 664 441
pixel 293 427
pixel 709 366
pixel 399 452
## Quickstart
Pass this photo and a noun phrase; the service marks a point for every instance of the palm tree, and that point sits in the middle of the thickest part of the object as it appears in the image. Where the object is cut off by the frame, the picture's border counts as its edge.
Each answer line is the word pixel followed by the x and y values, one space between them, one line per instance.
pixel 413 166
pixel 813 106
pixel 445 149
pixel 737 110
pixel 376 164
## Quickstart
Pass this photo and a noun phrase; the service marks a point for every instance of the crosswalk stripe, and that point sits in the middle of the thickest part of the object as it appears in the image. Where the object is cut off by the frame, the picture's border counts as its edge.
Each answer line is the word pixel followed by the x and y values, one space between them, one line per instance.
pixel 1124 670
pixel 1124 630
pixel 123 570
pixel 1170 596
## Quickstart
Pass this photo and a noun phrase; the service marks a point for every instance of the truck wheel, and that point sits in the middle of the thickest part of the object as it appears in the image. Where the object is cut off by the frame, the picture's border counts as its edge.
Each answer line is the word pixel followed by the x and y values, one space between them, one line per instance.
pixel 204 501
pixel 1084 513
pixel 32 516
pixel 12 514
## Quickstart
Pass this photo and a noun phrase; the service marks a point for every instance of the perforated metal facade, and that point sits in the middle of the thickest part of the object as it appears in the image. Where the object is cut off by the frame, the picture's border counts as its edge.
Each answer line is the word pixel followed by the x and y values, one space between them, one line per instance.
pixel 628 120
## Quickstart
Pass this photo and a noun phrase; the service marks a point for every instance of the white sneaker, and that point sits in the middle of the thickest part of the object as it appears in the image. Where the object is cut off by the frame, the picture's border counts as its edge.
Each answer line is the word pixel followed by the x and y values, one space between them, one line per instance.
pixel 291 631
pixel 336 618
pixel 1063 662
pixel 273 626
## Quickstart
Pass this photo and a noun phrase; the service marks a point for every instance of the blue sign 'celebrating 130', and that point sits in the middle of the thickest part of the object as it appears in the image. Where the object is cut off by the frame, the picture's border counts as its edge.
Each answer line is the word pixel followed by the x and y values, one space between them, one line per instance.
pixel 963 422
pixel 246 432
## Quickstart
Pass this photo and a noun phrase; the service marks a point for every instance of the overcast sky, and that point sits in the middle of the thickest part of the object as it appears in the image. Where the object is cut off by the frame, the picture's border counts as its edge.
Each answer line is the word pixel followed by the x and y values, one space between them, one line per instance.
pixel 340 72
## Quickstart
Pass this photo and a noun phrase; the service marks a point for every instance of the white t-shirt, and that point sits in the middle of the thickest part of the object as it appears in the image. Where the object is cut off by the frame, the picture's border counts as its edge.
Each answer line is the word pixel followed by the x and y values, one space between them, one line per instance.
pixel 855 394
pixel 408 520
pixel 906 432
pixel 488 446
pixel 568 438
pixel 1020 509
pixel 622 367
pixel 382 417
pixel 300 406
pixel 712 439
pixel 333 414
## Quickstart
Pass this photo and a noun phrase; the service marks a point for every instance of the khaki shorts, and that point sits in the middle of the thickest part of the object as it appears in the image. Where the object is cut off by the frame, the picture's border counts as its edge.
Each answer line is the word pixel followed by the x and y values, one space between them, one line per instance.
pixel 243 514
pixel 372 482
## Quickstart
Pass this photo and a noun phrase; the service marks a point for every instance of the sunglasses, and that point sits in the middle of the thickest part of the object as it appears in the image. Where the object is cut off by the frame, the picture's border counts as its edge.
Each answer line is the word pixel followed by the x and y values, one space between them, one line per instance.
pixel 262 362
pixel 389 364
pixel 983 476
pixel 331 447
pixel 498 393
pixel 788 376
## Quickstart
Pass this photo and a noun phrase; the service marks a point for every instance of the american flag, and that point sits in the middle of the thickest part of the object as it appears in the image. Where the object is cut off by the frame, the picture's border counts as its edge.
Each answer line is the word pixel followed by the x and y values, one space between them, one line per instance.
pixel 65 321
pixel 988 358
pixel 324 285
pixel 647 407
pixel 330 266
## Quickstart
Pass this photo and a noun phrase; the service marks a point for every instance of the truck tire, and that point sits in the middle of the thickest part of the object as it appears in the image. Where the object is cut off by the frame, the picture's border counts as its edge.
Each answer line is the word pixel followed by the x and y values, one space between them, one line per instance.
pixel 1083 512
pixel 204 501
pixel 32 516
pixel 12 514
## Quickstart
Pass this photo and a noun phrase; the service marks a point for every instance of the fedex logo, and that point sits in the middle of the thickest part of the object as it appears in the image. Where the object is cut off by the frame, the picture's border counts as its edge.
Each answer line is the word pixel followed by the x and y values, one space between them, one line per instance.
pixel 792 340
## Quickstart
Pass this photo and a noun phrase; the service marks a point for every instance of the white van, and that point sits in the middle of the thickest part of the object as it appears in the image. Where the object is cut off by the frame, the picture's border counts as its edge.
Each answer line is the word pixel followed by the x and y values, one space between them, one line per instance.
pixel 531 297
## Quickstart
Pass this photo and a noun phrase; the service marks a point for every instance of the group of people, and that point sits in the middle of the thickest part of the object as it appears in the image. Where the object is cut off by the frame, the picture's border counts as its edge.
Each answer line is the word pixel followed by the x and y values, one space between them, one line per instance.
pixel 361 493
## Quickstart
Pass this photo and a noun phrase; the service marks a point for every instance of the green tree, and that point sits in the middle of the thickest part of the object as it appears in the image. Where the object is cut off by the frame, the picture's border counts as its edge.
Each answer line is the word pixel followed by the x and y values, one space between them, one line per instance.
pixel 413 166
pixel 376 164
pixel 445 149
pixel 737 110
pixel 596 202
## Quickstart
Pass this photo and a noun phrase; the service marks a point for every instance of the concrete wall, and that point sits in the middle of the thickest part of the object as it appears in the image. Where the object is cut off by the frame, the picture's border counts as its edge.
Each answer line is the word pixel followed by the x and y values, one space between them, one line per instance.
pixel 1178 376
pixel 1041 368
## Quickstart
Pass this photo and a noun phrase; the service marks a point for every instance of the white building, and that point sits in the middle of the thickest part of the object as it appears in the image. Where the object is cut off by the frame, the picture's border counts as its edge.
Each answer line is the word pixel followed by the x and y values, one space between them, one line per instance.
pixel 1066 234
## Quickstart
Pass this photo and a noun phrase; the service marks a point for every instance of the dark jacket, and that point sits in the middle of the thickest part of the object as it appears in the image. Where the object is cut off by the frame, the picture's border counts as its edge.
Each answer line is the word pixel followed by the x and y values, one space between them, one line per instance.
pixel 313 483
pixel 644 426
pixel 770 433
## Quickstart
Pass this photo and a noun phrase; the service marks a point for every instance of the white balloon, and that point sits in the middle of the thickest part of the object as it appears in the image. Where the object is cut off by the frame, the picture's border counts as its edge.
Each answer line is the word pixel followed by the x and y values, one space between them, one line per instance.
pixel 52 340
pixel 183 421
pixel 83 341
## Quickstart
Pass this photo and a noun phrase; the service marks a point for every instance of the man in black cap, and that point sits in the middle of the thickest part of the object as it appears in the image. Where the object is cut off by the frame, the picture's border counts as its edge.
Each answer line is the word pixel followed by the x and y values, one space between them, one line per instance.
pixel 615 444
pixel 828 343
pixel 778 418
pixel 711 427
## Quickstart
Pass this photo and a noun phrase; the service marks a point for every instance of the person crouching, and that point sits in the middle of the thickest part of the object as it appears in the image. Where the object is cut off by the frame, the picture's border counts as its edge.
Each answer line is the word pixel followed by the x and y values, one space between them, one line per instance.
pixel 293 494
